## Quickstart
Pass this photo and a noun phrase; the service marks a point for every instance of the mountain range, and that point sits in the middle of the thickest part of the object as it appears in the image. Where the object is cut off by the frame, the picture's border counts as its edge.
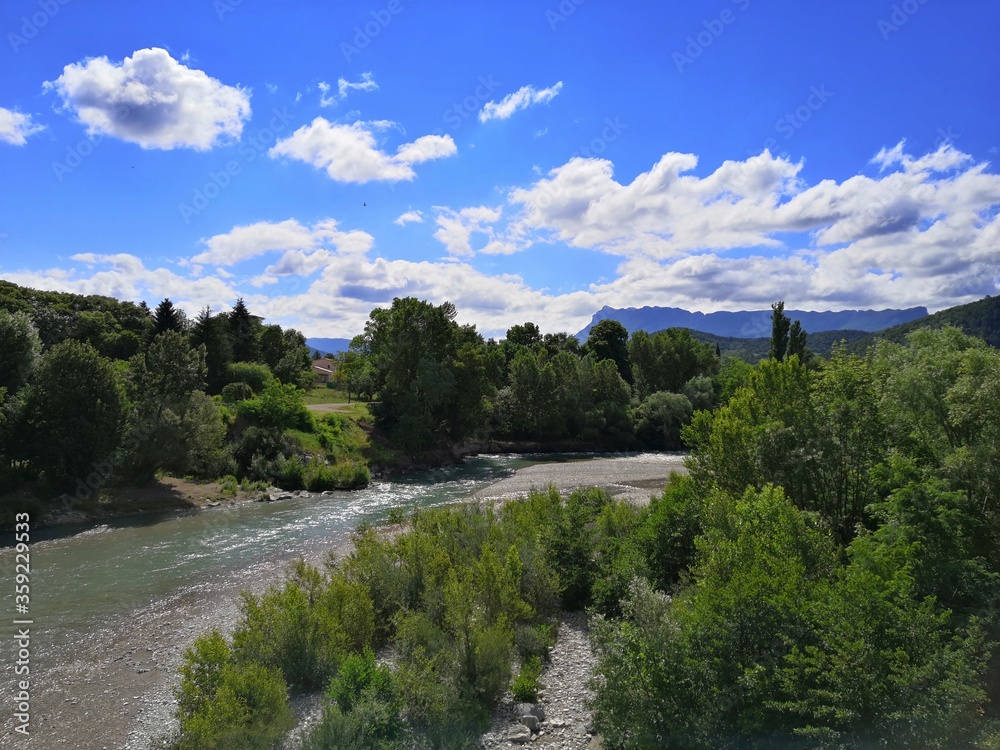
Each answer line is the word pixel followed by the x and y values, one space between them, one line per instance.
pixel 751 323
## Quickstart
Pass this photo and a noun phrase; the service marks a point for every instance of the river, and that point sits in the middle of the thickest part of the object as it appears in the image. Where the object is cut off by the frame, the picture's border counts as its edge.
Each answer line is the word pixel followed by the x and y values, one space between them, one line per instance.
pixel 113 606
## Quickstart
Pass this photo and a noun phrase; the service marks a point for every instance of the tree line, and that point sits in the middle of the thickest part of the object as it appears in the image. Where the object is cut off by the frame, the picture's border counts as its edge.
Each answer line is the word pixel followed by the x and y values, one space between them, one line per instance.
pixel 96 393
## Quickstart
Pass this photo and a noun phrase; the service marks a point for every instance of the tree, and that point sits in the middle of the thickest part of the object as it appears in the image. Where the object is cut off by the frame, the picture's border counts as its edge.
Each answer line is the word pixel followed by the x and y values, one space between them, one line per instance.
pixel 524 335
pixel 243 333
pixel 797 343
pixel 167 318
pixel 780 325
pixel 19 350
pixel 659 419
pixel 609 340
pixel 173 424
pixel 211 332
pixel 74 413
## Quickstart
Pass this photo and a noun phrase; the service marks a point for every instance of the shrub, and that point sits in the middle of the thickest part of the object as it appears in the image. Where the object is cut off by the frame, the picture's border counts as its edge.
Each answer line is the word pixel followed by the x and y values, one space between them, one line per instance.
pixel 525 686
pixel 229 485
pixel 256 376
pixel 233 393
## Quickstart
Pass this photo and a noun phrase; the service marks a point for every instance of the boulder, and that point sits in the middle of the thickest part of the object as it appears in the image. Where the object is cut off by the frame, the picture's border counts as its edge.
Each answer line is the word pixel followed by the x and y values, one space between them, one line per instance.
pixel 519 734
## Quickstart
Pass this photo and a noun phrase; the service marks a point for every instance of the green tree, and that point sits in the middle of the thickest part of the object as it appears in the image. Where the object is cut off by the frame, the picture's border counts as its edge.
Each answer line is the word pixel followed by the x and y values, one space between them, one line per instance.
pixel 19 350
pixel 74 412
pixel 524 335
pixel 244 330
pixel 797 343
pixel 211 332
pixel 659 419
pixel 780 325
pixel 609 340
pixel 167 318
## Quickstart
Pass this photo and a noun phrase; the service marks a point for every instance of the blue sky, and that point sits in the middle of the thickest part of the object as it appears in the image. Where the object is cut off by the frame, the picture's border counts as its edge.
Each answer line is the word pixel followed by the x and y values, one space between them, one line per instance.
pixel 525 160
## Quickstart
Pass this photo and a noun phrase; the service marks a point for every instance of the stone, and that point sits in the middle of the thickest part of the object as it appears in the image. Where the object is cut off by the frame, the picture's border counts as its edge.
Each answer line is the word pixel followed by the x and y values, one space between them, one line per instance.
pixel 538 711
pixel 531 722
pixel 519 734
pixel 523 709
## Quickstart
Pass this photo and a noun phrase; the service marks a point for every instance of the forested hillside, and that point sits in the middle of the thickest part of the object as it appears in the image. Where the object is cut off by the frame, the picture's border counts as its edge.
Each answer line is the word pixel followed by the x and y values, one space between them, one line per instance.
pixel 980 319
pixel 96 393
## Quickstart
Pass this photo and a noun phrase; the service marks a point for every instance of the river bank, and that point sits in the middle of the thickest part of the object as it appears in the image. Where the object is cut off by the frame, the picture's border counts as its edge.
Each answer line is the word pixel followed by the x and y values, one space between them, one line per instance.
pixel 107 681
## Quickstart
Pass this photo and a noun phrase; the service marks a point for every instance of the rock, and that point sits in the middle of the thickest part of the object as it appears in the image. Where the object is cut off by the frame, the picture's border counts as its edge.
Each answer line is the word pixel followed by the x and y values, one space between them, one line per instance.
pixel 523 709
pixel 538 711
pixel 531 722
pixel 519 734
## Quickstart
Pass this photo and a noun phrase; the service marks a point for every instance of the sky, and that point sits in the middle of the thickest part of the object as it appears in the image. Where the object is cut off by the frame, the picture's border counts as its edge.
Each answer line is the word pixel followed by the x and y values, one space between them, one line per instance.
pixel 527 160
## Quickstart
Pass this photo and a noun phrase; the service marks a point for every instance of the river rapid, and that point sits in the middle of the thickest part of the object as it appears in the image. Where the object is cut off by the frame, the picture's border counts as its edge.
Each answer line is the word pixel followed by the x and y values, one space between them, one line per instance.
pixel 113 607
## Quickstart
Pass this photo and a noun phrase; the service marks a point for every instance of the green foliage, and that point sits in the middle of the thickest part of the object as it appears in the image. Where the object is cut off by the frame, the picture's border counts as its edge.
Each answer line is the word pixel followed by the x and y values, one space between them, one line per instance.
pixel 234 393
pixel 20 347
pixel 780 325
pixel 254 374
pixel 279 407
pixel 525 685
pixel 73 413
pixel 225 704
pixel 668 359
pixel 306 627
pixel 608 340
pixel 659 419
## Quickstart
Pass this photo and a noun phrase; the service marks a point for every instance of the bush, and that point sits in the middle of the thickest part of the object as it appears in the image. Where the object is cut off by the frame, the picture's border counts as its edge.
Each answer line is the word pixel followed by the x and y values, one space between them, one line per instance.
pixel 229 485
pixel 233 393
pixel 525 687
pixel 255 376
pixel 306 627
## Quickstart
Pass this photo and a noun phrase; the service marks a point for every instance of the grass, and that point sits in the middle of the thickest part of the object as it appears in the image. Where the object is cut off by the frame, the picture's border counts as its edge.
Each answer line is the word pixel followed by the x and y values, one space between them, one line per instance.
pixel 320 394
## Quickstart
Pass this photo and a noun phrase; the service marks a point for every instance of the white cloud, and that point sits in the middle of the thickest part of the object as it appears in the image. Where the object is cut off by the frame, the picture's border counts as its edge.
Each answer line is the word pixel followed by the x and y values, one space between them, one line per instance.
pixel 296 241
pixel 16 127
pixel 351 153
pixel 523 98
pixel 344 87
pixel 153 100
pixel 455 228
pixel 846 250
pixel 367 83
pixel 410 217
pixel 324 99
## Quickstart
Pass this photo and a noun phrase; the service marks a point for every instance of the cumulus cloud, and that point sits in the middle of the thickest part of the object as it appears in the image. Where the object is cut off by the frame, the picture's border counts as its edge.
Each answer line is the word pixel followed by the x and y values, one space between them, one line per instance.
pixel 923 232
pixel 153 100
pixel 523 98
pixel 351 153
pixel 296 241
pixel 16 127
pixel 410 217
pixel 455 229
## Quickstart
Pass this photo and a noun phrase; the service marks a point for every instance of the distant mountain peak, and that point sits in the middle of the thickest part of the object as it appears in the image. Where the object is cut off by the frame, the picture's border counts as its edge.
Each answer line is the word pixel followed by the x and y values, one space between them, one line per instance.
pixel 751 323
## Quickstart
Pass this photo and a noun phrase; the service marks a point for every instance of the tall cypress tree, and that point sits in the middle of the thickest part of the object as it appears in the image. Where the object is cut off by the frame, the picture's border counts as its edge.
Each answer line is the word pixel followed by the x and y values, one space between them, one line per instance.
pixel 243 333
pixel 780 325
pixel 212 333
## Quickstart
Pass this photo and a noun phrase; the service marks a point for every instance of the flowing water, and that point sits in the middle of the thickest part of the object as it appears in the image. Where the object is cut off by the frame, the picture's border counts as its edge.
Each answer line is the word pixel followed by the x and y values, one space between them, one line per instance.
pixel 114 605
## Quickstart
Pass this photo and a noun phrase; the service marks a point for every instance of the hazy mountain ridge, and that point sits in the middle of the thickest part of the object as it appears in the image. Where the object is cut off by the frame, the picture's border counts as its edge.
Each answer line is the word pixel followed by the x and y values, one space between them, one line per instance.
pixel 751 323
pixel 328 346
pixel 980 319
